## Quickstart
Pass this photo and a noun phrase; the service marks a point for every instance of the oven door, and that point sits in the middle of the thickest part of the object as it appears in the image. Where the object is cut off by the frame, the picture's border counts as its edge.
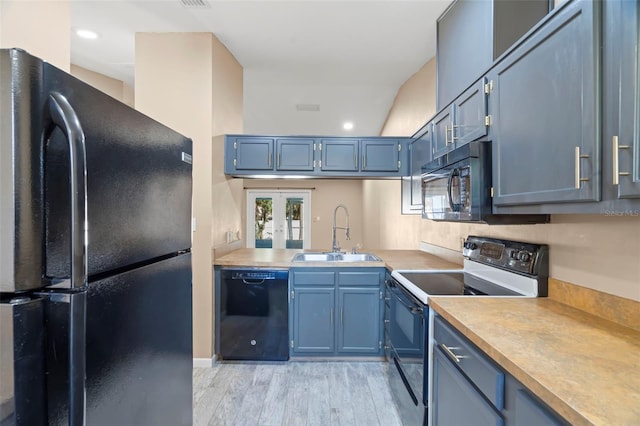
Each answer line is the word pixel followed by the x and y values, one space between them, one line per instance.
pixel 447 192
pixel 406 328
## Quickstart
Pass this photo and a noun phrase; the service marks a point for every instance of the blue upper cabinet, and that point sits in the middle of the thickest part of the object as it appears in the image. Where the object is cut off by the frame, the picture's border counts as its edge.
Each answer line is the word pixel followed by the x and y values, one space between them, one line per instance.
pixel 295 154
pixel 442 128
pixel 315 156
pixel 546 100
pixel 380 155
pixel 340 155
pixel 419 154
pixel 471 34
pixel 626 146
pixel 463 121
pixel 253 154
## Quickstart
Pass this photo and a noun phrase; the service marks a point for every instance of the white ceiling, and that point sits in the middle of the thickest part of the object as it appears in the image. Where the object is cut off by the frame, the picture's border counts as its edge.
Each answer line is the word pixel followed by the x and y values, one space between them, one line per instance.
pixel 349 57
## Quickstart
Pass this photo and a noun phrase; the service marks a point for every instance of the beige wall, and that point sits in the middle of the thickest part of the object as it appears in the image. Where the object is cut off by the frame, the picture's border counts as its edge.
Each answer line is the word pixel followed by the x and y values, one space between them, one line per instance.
pixel 325 196
pixel 594 251
pixel 227 101
pixel 184 80
pixel 42 28
pixel 414 104
pixel 115 88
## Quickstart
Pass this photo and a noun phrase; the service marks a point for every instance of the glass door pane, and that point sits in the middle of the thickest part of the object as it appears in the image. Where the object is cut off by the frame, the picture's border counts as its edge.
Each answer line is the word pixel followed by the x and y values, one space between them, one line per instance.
pixel 294 231
pixel 278 219
pixel 263 222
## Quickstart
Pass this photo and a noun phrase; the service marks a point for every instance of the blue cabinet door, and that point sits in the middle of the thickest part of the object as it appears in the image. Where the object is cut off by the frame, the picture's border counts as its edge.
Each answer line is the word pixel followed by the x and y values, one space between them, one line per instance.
pixel 419 154
pixel 470 114
pixel 340 155
pixel 628 144
pixel 529 412
pixel 442 138
pixel 380 155
pixel 295 154
pixel 314 320
pixel 465 47
pixel 455 400
pixel 359 320
pixel 253 153
pixel 546 108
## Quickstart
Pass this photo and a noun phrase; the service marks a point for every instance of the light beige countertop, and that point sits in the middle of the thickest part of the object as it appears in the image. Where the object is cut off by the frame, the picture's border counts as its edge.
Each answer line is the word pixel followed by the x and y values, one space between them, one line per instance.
pixel 281 258
pixel 584 367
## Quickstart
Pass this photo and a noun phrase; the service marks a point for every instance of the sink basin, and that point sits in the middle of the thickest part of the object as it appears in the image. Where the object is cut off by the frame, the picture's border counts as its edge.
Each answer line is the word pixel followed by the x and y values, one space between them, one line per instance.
pixel 335 257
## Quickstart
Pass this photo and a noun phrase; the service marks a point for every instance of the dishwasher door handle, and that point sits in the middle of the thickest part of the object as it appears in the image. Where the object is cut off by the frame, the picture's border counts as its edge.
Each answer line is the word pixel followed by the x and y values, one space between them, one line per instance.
pixel 253 282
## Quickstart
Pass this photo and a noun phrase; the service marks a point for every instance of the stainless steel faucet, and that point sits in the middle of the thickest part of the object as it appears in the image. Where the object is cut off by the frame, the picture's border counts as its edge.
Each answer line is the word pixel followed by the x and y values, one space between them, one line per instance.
pixel 336 247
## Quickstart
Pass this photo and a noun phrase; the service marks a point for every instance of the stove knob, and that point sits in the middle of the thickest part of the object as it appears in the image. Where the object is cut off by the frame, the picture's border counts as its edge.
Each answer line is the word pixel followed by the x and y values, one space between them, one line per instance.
pixel 523 256
pixel 470 245
pixel 513 254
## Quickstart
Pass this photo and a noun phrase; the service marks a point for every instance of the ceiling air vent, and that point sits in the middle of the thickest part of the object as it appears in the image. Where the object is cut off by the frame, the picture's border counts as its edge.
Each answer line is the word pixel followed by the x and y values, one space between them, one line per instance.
pixel 308 107
pixel 195 3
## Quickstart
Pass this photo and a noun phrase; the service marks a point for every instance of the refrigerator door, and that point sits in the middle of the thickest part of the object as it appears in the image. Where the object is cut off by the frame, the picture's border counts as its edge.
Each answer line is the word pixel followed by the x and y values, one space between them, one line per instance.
pixel 139 349
pixel 22 387
pixel 21 221
pixel 138 177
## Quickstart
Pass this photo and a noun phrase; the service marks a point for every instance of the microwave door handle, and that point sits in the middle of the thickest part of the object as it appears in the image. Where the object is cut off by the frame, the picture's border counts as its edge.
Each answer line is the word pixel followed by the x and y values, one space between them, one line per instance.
pixel 455 207
pixel 60 113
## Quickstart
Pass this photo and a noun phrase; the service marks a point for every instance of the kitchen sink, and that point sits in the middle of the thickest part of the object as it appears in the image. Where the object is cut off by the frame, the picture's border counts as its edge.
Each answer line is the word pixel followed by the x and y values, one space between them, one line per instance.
pixel 335 257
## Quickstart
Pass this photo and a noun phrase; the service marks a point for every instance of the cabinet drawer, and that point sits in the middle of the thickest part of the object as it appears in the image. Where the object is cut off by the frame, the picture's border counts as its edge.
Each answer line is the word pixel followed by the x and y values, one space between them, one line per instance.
pixel 359 278
pixel 313 278
pixel 474 364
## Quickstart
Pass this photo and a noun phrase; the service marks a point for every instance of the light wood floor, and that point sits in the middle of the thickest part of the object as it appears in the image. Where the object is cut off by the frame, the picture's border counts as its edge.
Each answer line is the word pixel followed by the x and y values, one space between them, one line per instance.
pixel 293 393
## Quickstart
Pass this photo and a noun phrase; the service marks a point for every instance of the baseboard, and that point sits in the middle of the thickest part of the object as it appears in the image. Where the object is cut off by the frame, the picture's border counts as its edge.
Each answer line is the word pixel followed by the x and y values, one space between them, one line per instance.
pixel 204 362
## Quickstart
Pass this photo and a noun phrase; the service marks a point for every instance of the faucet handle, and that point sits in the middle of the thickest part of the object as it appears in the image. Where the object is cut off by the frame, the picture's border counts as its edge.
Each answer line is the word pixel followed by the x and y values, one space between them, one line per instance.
pixel 355 248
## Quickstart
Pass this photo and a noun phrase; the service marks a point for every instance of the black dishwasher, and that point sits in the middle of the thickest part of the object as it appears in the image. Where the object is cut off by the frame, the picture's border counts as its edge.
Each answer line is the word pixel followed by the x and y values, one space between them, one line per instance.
pixel 254 314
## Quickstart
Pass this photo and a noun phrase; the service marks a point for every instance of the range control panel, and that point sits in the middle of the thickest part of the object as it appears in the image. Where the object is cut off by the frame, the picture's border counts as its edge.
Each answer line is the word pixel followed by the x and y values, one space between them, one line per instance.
pixel 521 257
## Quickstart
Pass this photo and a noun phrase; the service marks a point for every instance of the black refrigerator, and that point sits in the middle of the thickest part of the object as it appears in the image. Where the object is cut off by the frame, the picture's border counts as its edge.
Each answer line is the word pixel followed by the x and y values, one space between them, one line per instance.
pixel 95 256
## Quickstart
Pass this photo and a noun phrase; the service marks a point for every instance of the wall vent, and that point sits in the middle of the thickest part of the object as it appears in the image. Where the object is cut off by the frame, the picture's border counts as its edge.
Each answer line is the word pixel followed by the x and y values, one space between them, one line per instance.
pixel 308 107
pixel 195 3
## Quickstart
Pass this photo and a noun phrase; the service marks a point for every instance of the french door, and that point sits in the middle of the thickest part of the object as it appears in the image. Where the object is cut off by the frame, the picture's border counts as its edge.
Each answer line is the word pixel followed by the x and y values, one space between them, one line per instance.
pixel 278 219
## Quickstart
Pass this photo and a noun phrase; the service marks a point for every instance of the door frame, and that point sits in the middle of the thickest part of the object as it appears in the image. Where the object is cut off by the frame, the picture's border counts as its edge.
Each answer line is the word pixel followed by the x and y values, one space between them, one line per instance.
pixel 252 194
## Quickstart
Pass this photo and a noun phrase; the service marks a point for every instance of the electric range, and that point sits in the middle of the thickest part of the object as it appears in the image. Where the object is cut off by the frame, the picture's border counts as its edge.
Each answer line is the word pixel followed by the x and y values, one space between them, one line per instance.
pixel 492 268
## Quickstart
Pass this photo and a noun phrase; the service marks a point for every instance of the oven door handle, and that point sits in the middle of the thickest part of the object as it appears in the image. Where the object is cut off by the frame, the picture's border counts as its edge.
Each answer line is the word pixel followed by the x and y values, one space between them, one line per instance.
pixel 455 207
pixel 413 309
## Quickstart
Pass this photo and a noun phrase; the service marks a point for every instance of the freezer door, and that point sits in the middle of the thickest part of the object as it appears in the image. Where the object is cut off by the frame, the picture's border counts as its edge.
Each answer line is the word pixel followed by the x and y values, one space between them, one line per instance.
pixel 21 221
pixel 138 177
pixel 138 349
pixel 22 387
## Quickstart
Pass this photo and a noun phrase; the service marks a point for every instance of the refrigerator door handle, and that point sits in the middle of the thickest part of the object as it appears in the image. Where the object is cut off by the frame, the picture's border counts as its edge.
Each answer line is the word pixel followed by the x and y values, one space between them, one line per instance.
pixel 59 113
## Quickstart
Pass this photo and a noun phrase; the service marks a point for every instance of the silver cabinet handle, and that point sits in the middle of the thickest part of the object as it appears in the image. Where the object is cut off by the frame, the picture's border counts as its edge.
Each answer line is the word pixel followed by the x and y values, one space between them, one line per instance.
pixel 578 157
pixel 616 164
pixel 331 315
pixel 615 178
pixel 449 351
pixel 341 312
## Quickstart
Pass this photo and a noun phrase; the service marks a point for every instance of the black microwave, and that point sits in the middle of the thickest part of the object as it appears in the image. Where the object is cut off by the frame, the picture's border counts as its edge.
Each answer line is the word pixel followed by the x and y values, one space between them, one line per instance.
pixel 457 187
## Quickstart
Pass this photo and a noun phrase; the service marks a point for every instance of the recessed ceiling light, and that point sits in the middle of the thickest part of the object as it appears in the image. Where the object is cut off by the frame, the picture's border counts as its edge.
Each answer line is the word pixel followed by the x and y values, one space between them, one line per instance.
pixel 347 125
pixel 91 35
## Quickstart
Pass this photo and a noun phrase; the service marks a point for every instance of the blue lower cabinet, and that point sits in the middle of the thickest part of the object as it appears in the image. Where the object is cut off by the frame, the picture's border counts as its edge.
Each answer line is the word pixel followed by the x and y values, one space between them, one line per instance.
pixel 336 311
pixel 314 319
pixel 359 320
pixel 464 376
pixel 455 400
